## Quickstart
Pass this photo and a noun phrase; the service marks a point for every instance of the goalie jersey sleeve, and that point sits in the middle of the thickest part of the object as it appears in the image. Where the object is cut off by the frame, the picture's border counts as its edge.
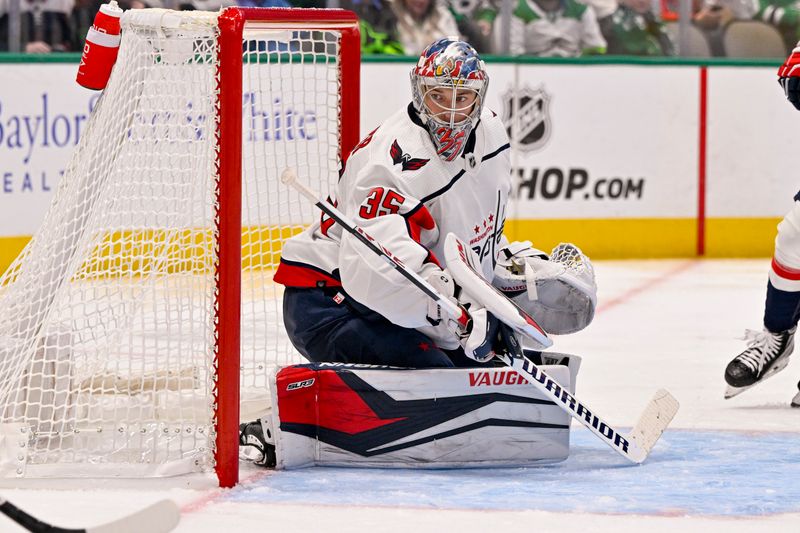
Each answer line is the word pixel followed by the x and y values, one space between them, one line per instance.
pixel 402 194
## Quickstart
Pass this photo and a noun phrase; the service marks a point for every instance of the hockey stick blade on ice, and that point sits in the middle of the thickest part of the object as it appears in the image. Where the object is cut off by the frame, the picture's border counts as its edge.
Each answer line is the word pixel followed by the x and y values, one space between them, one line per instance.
pixel 160 517
pixel 464 267
pixel 634 447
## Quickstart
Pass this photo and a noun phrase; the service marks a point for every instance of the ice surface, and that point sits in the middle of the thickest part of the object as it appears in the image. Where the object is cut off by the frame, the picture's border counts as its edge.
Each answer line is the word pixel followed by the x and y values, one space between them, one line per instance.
pixel 691 473
pixel 723 465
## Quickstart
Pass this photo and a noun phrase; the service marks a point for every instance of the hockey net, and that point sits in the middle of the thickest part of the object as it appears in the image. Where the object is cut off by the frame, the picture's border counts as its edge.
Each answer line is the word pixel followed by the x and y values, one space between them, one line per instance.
pixel 122 321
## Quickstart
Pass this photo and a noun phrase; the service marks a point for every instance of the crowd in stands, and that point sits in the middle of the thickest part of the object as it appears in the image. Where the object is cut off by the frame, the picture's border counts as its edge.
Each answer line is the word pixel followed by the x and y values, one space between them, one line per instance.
pixel 546 28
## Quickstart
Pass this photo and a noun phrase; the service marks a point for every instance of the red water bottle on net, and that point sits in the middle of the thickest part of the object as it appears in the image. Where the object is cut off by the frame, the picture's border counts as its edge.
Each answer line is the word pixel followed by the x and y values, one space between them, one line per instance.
pixel 100 50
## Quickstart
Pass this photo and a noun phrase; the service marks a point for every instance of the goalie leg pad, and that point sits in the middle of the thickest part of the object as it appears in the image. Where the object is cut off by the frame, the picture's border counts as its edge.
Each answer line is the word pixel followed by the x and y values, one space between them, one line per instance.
pixel 572 362
pixel 349 415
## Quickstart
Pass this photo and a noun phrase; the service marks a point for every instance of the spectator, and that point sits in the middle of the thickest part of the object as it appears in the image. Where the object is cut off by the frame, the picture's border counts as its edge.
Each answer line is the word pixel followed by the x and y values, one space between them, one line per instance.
pixel 553 28
pixel 474 20
pixel 711 18
pixel 214 5
pixel 82 16
pixel 44 26
pixel 378 26
pixel 145 4
pixel 633 29
pixel 420 22
pixel 783 15
pixel 670 8
pixel 602 8
pixel 710 14
pixel 81 19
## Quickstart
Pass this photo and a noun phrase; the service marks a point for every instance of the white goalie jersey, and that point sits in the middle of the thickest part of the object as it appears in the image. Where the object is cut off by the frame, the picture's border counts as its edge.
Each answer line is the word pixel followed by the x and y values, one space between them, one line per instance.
pixel 406 197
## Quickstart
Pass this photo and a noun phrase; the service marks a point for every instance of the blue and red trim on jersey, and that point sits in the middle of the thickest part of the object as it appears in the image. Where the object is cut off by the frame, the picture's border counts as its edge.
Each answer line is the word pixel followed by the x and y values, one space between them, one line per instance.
pixel 785 272
pixel 303 275
pixel 418 219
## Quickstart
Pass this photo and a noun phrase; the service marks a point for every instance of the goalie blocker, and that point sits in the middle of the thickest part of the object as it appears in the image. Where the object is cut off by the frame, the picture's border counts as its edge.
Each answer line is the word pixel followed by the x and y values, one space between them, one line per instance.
pixel 335 414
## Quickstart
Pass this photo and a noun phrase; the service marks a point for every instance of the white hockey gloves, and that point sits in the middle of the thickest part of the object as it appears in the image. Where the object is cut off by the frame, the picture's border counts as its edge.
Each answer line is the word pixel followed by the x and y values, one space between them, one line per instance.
pixel 480 338
pixel 558 290
pixel 443 328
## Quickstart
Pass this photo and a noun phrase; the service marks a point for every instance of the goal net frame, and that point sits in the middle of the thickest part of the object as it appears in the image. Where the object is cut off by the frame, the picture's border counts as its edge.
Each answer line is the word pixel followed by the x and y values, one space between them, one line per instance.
pixel 232 23
pixel 34 361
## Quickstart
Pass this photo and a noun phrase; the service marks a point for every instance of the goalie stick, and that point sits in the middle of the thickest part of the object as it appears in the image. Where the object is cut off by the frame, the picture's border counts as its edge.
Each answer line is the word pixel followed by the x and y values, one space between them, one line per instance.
pixel 657 415
pixel 159 517
pixel 464 266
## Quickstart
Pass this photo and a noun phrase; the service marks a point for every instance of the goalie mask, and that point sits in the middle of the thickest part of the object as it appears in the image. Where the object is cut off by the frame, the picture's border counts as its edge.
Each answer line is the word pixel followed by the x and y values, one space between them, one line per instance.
pixel 449 85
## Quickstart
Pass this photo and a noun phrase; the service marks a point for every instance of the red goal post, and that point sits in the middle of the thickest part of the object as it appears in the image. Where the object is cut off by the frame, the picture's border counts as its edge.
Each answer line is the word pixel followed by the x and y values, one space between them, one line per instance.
pixel 232 23
pixel 141 319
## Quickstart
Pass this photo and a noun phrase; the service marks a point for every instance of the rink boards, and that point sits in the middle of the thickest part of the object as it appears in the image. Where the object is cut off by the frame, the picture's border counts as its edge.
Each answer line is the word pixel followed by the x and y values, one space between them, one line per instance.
pixel 627 160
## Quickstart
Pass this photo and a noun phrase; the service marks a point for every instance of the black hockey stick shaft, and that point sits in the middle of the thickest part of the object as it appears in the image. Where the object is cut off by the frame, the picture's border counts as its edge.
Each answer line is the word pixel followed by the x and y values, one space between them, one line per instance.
pixel 30 522
pixel 289 177
pixel 159 517
pixel 515 358
pixel 463 265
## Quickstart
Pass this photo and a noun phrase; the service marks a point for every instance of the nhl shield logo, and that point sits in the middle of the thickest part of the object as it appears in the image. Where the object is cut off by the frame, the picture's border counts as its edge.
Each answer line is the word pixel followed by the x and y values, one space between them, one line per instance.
pixel 526 114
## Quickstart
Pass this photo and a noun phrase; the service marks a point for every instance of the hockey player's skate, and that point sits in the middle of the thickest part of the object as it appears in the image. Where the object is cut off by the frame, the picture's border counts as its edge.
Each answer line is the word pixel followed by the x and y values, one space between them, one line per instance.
pixel 767 354
pixel 796 399
pixel 256 443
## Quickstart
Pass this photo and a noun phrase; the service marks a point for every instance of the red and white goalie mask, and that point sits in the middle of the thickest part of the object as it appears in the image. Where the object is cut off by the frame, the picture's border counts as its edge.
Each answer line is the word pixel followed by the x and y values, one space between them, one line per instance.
pixel 449 84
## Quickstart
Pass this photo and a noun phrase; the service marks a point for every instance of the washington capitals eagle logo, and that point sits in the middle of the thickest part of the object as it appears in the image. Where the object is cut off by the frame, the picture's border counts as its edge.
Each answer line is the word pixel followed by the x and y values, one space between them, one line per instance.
pixel 408 162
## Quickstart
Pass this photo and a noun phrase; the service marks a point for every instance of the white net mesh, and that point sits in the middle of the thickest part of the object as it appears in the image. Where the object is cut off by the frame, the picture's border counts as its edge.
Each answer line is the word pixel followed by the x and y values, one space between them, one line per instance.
pixel 574 260
pixel 291 118
pixel 108 324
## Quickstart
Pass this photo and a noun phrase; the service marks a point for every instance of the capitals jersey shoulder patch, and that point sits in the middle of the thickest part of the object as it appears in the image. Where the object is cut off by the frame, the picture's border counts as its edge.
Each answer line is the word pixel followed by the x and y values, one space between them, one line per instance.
pixel 407 162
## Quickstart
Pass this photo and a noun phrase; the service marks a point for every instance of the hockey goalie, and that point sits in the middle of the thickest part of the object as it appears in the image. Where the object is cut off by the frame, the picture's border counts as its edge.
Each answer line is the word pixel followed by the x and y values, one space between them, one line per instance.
pixel 391 379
